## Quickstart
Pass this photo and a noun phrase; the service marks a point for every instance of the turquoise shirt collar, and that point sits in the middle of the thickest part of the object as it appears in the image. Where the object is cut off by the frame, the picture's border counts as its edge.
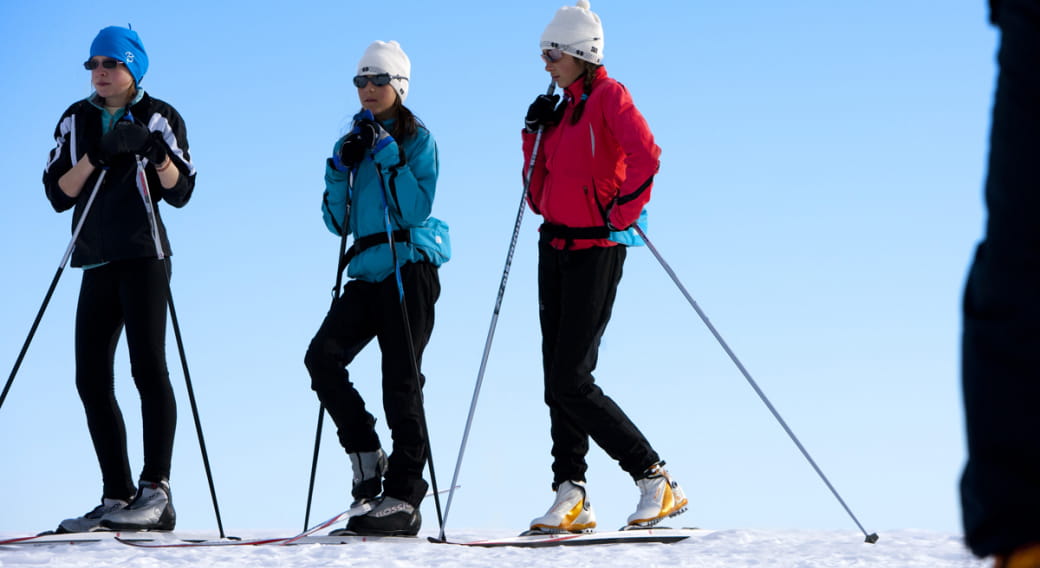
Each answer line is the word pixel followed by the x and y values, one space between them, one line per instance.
pixel 108 118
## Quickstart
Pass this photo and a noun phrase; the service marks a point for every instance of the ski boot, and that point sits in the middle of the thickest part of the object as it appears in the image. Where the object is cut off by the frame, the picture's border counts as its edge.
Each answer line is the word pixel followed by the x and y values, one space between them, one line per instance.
pixel 151 510
pixel 1023 557
pixel 92 520
pixel 660 497
pixel 369 468
pixel 389 517
pixel 570 512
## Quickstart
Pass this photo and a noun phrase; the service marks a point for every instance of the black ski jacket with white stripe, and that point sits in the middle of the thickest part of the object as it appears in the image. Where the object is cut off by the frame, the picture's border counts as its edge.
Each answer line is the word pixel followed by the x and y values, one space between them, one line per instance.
pixel 117 225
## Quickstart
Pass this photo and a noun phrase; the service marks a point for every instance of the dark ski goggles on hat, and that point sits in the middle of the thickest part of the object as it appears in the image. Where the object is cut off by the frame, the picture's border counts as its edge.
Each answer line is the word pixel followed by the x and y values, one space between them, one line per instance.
pixel 91 64
pixel 552 55
pixel 377 80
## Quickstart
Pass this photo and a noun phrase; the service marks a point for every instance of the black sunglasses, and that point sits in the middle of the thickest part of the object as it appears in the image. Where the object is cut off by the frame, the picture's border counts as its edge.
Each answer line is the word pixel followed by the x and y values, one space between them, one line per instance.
pixel 377 80
pixel 91 64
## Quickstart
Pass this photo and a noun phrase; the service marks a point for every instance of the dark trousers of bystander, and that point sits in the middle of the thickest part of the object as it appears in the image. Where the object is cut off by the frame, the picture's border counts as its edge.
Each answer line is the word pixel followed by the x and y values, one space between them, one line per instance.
pixel 1000 488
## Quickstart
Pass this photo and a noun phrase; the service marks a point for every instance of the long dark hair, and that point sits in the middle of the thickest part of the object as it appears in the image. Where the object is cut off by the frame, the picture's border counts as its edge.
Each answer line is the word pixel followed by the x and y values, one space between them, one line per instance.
pixel 589 75
pixel 406 124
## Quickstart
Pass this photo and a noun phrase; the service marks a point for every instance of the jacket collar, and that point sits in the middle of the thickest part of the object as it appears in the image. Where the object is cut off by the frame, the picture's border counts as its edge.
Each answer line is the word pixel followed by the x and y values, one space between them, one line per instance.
pixel 93 99
pixel 575 90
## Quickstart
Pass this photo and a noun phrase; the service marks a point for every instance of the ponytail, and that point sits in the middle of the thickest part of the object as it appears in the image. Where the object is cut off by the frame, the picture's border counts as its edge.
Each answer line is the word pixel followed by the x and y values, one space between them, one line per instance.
pixel 589 77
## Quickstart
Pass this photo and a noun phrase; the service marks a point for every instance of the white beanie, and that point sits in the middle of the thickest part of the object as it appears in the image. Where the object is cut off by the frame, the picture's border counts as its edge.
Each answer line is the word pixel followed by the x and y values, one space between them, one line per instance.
pixel 575 30
pixel 387 57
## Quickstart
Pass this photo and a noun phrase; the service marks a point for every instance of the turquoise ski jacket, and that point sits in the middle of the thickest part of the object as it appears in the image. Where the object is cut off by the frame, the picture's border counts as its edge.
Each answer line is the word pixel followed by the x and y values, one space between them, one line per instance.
pixel 407 172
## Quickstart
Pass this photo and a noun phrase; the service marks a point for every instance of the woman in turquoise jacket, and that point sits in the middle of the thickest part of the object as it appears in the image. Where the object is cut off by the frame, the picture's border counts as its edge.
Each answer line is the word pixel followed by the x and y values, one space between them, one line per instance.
pixel 380 183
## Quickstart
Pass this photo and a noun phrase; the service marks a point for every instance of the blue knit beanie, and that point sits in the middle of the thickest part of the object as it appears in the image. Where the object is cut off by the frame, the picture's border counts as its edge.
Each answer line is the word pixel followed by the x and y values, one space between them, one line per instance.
pixel 122 44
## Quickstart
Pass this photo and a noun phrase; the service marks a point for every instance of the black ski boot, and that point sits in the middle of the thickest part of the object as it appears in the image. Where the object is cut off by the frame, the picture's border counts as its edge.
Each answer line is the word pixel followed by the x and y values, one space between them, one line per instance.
pixel 389 517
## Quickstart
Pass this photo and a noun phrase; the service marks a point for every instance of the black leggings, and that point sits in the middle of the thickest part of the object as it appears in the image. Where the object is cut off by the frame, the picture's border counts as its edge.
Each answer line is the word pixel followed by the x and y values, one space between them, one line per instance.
pixel 368 310
pixel 576 290
pixel 129 294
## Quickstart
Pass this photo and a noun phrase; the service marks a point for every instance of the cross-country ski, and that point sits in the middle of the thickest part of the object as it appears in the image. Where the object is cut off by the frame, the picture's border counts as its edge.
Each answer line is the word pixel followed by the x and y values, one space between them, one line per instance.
pixel 646 536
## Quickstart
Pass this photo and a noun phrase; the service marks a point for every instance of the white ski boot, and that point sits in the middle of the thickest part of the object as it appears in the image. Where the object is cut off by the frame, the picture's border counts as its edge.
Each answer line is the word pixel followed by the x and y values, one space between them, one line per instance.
pixel 570 512
pixel 92 520
pixel 660 498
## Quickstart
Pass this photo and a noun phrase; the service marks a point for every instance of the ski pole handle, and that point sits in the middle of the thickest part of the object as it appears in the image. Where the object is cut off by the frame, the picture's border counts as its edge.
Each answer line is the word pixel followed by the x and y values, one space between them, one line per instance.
pixel 552 87
pixel 537 142
pixel 548 92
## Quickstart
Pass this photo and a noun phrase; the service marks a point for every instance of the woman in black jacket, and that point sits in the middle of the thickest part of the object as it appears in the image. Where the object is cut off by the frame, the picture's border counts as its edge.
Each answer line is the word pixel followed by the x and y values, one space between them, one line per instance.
pixel 118 153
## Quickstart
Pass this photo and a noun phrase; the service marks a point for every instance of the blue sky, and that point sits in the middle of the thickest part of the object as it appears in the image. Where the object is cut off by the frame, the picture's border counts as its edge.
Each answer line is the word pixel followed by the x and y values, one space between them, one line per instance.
pixel 819 195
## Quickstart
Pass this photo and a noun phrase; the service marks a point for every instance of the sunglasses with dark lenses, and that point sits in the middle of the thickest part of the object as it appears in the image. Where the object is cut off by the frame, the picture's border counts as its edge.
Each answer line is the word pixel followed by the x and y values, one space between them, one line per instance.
pixel 377 80
pixel 107 64
pixel 552 55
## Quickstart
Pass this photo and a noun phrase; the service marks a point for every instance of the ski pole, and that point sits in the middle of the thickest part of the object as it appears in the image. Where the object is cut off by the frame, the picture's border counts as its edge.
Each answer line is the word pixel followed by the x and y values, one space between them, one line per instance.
pixel 871 537
pixel 406 322
pixel 314 465
pixel 335 296
pixel 142 185
pixel 54 284
pixel 494 313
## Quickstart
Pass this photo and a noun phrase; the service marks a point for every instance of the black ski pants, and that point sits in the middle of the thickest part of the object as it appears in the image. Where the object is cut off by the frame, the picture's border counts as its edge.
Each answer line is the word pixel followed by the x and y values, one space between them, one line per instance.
pixel 1000 488
pixel 364 311
pixel 130 294
pixel 576 290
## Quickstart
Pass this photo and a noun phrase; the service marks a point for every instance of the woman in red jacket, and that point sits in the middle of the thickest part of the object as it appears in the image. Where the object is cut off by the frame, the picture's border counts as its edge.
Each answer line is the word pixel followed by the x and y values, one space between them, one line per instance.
pixel 591 178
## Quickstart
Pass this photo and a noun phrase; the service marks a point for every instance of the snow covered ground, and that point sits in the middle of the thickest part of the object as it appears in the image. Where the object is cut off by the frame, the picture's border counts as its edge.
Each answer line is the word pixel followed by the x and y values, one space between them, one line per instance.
pixel 718 549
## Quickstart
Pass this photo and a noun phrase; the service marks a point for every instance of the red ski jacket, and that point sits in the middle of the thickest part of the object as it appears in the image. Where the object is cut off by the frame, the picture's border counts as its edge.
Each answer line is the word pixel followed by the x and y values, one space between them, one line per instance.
pixel 597 171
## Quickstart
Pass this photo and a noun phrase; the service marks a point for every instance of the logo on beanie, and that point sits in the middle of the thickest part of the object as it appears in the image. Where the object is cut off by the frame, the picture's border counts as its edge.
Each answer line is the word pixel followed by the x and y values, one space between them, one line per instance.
pixel 129 57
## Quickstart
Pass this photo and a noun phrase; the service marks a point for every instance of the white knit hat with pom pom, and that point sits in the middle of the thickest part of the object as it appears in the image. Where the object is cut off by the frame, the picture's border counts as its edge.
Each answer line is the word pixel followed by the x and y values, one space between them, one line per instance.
pixel 575 30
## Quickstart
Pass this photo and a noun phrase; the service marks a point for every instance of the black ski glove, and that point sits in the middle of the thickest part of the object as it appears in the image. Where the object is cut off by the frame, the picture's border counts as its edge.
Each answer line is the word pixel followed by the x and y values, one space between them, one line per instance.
pixel 96 156
pixel 124 138
pixel 359 141
pixel 541 113
pixel 155 149
pixel 128 138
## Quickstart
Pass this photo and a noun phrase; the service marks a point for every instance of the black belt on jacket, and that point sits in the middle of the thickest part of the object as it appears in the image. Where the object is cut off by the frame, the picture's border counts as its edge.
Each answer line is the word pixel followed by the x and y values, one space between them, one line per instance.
pixel 551 231
pixel 368 241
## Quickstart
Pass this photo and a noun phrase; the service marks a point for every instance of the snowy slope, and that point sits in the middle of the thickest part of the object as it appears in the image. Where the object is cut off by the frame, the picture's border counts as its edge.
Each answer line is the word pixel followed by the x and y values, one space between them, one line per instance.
pixel 719 549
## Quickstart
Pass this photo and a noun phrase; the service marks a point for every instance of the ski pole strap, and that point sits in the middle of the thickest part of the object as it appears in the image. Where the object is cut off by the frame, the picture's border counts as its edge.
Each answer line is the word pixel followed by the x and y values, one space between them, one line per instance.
pixel 368 241
pixel 550 231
